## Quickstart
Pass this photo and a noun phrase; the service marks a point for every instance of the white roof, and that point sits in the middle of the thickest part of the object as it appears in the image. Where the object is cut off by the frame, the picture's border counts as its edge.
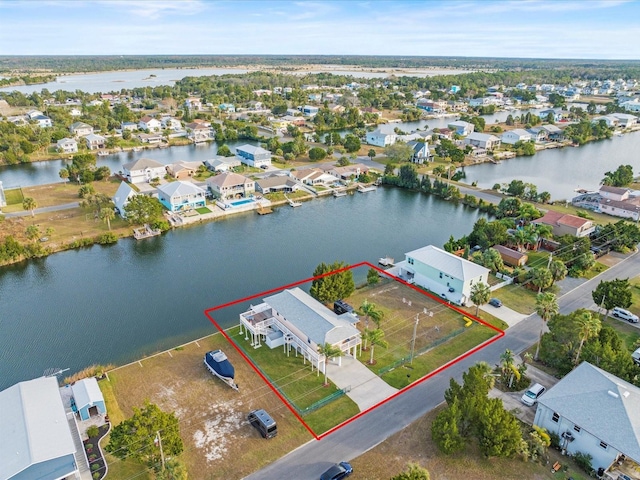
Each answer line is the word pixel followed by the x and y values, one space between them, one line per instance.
pixel 252 149
pixel 482 137
pixel 519 131
pixel 87 392
pixel 456 267
pixel 33 424
pixel 601 403
pixel 180 188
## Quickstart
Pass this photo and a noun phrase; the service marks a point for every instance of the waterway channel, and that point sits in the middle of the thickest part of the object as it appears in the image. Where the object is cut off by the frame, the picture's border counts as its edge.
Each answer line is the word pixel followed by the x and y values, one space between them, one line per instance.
pixel 116 303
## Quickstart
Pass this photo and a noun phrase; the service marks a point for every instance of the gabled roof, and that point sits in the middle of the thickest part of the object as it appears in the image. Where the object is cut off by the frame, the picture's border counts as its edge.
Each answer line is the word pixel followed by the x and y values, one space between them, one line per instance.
pixel 180 188
pixel 142 164
pixel 228 179
pixel 616 190
pixel 312 318
pixel 482 137
pixel 276 181
pixel 600 403
pixel 509 252
pixel 87 392
pixel 92 137
pixel 519 131
pixel 33 424
pixel 456 267
pixel 76 125
pixel 123 194
pixel 555 218
pixel 252 149
pixel 64 140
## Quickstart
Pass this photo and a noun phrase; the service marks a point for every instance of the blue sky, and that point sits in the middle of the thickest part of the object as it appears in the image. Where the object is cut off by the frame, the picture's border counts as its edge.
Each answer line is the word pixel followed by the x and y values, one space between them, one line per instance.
pixel 605 29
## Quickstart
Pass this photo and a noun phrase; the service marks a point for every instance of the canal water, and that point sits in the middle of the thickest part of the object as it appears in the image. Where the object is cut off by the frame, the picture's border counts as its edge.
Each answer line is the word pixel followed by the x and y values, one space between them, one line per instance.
pixel 114 304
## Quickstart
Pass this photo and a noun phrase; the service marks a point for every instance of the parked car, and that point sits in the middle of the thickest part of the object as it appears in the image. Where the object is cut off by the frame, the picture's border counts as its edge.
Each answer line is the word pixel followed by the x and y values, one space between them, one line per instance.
pixel 495 302
pixel 532 394
pixel 337 471
pixel 624 315
pixel 263 422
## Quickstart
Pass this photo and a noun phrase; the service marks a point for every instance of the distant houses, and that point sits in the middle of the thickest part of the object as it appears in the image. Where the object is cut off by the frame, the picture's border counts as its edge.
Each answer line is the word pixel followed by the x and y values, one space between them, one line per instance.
pixel 67 145
pixel 80 129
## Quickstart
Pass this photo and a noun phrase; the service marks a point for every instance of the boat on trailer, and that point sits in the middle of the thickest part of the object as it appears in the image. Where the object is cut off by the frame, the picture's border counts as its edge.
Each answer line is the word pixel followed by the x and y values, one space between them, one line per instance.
pixel 220 366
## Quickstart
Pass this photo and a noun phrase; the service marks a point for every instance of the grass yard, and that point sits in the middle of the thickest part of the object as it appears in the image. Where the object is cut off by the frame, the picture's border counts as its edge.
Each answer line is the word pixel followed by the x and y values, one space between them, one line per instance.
pixel 597 269
pixel 439 338
pixel 518 298
pixel 203 210
pixel 635 295
pixel 219 442
pixel 13 196
pixel 539 258
pixel 414 445
pixel 301 386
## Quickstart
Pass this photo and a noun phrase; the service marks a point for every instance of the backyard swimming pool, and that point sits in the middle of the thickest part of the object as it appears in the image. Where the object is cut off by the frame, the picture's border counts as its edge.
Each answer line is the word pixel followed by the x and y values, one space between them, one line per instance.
pixel 242 201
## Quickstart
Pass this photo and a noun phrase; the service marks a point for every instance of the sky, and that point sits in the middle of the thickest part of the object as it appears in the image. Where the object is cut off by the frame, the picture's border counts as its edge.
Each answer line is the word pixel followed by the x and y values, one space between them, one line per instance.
pixel 594 29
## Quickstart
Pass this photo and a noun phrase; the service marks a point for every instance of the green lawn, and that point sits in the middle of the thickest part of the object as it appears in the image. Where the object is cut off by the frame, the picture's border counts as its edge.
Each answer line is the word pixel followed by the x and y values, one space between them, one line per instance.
pixel 518 298
pixel 595 270
pixel 203 210
pixel 302 387
pixel 635 295
pixel 627 332
pixel 14 196
pixel 538 258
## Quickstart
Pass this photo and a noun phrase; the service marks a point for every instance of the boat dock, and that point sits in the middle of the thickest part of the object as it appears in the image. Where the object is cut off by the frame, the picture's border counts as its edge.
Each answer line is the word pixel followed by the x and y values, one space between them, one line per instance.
pixel 339 193
pixel 291 202
pixel 262 210
pixel 145 232
pixel 366 188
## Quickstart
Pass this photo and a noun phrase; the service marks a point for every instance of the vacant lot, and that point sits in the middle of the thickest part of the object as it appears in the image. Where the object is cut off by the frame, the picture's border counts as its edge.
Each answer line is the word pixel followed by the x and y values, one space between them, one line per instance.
pixel 219 442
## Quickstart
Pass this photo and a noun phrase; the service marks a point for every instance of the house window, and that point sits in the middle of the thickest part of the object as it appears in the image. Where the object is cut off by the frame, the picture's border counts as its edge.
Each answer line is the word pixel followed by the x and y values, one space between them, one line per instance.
pixel 555 417
pixel 440 274
pixel 577 428
pixel 603 445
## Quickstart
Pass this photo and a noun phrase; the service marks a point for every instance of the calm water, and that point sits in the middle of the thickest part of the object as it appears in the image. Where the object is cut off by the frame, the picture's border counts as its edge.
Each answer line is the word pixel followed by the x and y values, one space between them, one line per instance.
pixel 117 303
pixel 116 81
pixel 561 171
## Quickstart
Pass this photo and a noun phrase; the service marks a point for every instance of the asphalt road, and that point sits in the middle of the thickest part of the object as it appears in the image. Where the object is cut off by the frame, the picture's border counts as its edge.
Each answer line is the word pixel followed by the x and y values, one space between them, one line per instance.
pixel 355 438
pixel 54 208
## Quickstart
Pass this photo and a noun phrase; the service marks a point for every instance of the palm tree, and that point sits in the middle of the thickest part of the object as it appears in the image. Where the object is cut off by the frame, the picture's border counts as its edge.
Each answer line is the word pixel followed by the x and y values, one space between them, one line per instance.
pixel 480 293
pixel 590 325
pixel 376 337
pixel 371 311
pixel 558 270
pixel 328 351
pixel 541 277
pixel 29 204
pixel 508 366
pixel 546 307
pixel 544 232
pixel 519 237
pixel 106 215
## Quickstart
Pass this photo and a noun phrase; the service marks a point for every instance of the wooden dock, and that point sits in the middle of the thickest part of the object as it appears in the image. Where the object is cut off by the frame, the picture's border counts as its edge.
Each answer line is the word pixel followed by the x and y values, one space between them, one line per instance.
pixel 262 210
pixel 145 232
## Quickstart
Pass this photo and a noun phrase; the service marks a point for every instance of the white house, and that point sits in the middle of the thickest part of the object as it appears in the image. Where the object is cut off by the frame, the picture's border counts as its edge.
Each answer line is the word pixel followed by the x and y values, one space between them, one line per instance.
pixel 277 183
pixel 619 202
pixel 314 176
pixel 150 123
pixel 94 142
pixel 67 145
pixel 631 105
pixel 310 111
pixel 43 121
pixel 143 170
pixel 229 185
pixel 222 164
pixel 193 103
pixel 171 123
pixel 517 135
pixel 80 129
pixel 482 140
pixel 625 120
pixel 609 120
pixel 461 127
pixel 36 439
pixel 130 126
pixel 593 412
pixel 447 275
pixel 297 321
pixel 381 137
pixel 120 200
pixel 420 151
pixel 254 156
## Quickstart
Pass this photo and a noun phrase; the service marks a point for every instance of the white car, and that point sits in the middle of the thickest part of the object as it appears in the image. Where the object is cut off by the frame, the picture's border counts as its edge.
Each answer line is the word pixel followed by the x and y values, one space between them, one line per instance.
pixel 624 315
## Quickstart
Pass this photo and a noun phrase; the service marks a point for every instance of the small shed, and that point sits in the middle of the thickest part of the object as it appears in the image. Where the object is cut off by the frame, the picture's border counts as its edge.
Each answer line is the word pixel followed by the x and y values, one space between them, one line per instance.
pixel 511 257
pixel 88 398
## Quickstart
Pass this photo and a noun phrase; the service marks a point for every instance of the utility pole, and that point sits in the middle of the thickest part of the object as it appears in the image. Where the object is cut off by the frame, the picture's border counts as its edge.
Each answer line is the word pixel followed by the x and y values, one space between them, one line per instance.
pixel 159 441
pixel 413 340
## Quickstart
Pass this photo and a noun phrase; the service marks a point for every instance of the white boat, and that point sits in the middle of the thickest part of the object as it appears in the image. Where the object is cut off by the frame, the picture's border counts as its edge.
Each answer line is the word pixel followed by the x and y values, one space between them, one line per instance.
pixel 339 193
pixel 137 149
pixel 366 188
pixel 103 153
pixel 386 261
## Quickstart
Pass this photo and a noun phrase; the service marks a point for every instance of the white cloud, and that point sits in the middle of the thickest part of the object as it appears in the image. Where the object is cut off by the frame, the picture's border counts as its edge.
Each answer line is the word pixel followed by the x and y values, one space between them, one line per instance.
pixel 156 8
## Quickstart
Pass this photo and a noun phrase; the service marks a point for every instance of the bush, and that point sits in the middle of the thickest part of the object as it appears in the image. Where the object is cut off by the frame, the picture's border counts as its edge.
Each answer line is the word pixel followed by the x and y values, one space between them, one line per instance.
pixel 107 238
pixel 92 457
pixel 96 475
pixel 95 466
pixel 555 440
pixel 583 460
pixel 93 431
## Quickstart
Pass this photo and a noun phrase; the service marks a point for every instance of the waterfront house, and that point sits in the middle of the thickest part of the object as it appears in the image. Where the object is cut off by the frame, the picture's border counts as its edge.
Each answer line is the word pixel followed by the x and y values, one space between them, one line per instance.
pixel 80 129
pixel 444 133
pixel 538 134
pixel 43 121
pixel 481 102
pixel 143 170
pixel 419 151
pixel 631 105
pixel 517 135
pixel 150 123
pixel 511 257
pixel 120 200
pixel 447 275
pixel 310 111
pixel 67 145
pixel 222 164
pixel 229 185
pixel 556 115
pixel 314 176
pixel 170 123
pixel 198 132
pixel 295 320
pixel 193 103
pixel 625 120
pixel 254 156
pixel 461 127
pixel 381 137
pixel 595 413
pixel 183 169
pixel 554 133
pixel 129 126
pixel 277 183
pixel 435 106
pixel 482 140
pixel 150 138
pixel 619 202
pixel 94 142
pixel 180 196
pixel 37 438
pixel 88 398
pixel 348 172
pixel 566 224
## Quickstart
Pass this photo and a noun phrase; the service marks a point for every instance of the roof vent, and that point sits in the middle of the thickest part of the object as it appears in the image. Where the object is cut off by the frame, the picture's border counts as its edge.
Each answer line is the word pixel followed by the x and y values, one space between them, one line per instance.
pixel 626 393
pixel 613 394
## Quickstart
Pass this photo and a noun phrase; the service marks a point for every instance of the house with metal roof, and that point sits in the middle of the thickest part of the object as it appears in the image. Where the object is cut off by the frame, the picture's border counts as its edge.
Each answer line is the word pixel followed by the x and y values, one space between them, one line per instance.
pixel 120 200
pixel 88 398
pixel 35 436
pixel 178 196
pixel 447 275
pixel 482 140
pixel 254 156
pixel 297 321
pixel 597 413
pixel 143 170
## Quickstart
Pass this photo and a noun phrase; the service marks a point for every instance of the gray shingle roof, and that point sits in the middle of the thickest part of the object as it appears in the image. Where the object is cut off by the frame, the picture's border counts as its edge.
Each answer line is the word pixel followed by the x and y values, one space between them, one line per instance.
pixel 312 318
pixel 600 403
pixel 141 164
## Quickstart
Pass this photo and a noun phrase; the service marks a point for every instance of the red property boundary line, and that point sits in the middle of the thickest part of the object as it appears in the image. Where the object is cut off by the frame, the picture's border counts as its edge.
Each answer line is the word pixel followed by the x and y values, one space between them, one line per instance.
pixel 208 313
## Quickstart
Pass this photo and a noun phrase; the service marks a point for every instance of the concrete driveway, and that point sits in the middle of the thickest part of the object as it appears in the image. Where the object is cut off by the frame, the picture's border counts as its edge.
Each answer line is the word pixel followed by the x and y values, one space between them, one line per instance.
pixel 363 386
pixel 504 313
